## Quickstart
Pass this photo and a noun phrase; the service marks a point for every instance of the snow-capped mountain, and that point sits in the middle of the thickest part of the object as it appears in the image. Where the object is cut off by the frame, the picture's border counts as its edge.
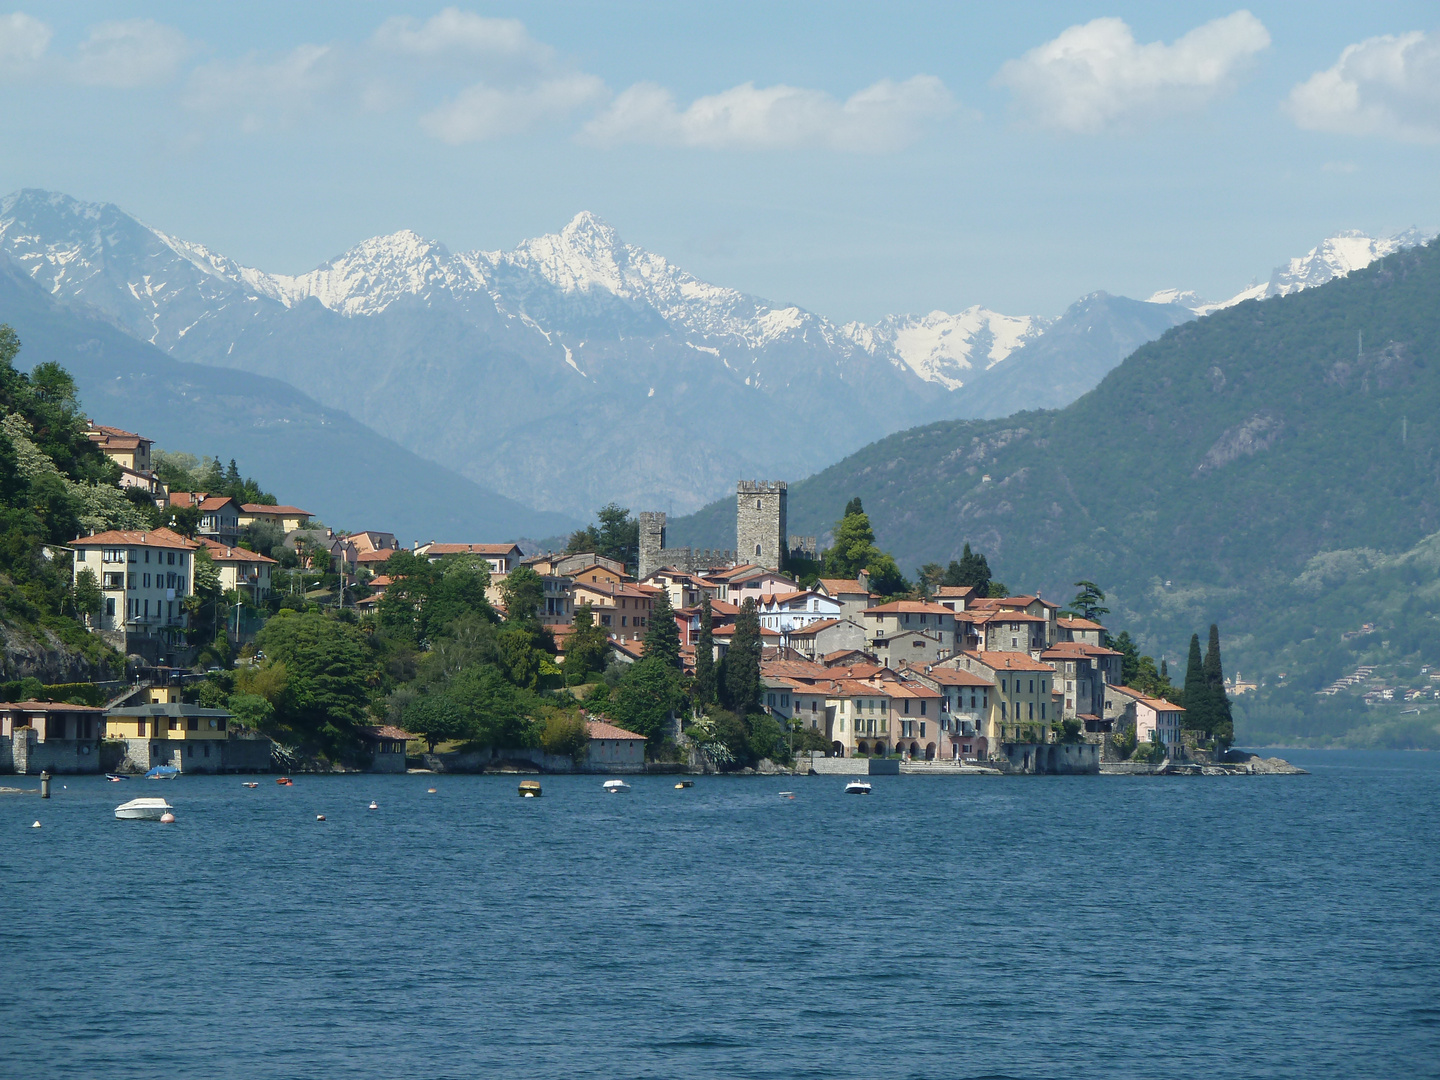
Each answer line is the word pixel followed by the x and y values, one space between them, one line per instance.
pixel 1333 257
pixel 577 368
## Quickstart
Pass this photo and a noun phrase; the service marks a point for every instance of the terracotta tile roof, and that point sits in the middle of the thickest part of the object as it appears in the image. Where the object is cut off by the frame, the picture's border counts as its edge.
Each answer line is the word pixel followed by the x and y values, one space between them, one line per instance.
pixel 948 676
pixel 284 511
pixel 1078 624
pixel 225 553
pixel 215 502
pixel 794 669
pixel 49 706
pixel 814 628
pixel 385 731
pixel 187 498
pixel 1063 649
pixel 1159 704
pixel 832 657
pixel 954 590
pixel 378 557
pixel 896 607
pixel 105 429
pixel 380 581
pixel 603 729
pixel 161 538
pixel 1012 661
pixel 841 585
pixel 470 549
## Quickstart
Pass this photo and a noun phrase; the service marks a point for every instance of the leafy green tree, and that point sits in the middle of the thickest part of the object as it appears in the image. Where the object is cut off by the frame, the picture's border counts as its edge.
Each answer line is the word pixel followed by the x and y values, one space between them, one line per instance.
pixel 185 520
pixel 617 536
pixel 854 545
pixel 930 577
pixel 496 712
pixel 1088 602
pixel 648 696
pixel 250 711
pixel 88 598
pixel 437 717
pixel 704 687
pixel 587 648
pixel 853 507
pixel 662 635
pixel 972 570
pixel 742 662
pixel 523 593
pixel 767 738
pixel 565 733
pixel 518 658
pixel 327 675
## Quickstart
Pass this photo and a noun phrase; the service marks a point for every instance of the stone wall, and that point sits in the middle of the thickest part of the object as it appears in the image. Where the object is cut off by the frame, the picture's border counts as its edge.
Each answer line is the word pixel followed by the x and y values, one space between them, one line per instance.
pixel 1047 759
pixel 233 755
pixel 654 555
pixel 29 756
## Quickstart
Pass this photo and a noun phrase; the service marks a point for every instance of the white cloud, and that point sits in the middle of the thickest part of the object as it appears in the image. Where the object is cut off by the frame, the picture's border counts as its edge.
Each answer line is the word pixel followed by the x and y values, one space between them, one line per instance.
pixel 885 116
pixel 23 41
pixel 1386 86
pixel 455 33
pixel 1097 76
pixel 136 52
pixel 267 90
pixel 486 112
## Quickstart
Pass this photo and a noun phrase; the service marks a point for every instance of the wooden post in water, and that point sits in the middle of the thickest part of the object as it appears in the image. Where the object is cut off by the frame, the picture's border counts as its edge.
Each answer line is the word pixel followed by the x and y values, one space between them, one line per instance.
pixel 44 785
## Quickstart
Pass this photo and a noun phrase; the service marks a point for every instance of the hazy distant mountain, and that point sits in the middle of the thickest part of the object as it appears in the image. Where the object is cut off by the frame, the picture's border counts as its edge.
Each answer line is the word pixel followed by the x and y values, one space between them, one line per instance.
pixel 310 456
pixel 575 368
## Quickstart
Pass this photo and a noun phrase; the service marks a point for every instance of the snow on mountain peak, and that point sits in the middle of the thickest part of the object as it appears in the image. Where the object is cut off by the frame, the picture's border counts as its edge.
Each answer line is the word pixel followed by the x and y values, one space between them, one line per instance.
pixel 944 348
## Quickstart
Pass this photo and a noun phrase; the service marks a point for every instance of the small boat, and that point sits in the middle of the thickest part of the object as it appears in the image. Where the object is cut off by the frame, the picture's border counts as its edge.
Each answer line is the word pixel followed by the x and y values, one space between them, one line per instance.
pixel 530 789
pixel 250 784
pixel 685 784
pixel 616 787
pixel 143 810
pixel 163 772
pixel 284 781
pixel 373 805
pixel 787 794
pixel 857 787
pixel 115 778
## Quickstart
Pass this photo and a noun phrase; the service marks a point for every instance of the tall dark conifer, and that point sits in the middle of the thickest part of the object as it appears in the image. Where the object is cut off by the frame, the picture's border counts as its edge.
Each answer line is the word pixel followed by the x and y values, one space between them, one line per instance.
pixel 742 662
pixel 1197 694
pixel 1219 722
pixel 705 658
pixel 662 636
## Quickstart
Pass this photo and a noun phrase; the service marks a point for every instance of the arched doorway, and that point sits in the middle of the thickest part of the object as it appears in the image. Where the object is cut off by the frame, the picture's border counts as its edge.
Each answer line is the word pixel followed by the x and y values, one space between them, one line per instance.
pixel 930 751
pixel 862 747
pixel 914 750
pixel 880 750
pixel 837 750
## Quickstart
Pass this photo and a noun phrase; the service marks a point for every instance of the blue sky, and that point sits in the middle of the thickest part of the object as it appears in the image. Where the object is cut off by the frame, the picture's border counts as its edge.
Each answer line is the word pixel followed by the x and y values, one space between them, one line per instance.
pixel 855 159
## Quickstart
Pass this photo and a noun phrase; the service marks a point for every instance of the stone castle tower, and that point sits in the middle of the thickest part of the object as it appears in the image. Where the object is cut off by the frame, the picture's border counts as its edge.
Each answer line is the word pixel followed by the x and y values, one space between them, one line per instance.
pixel 760 535
pixel 652 542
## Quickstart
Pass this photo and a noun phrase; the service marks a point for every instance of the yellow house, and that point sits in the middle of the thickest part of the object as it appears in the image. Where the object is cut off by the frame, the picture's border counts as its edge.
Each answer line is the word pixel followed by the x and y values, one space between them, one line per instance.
pixel 1021 706
pixel 288 518
pixel 245 572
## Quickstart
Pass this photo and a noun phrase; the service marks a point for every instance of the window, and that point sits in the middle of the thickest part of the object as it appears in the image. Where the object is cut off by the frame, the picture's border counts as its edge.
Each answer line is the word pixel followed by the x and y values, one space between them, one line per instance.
pixel 171 559
pixel 147 581
pixel 907 705
pixel 110 605
pixel 147 555
pixel 1042 710
pixel 757 546
pixel 1032 686
pixel 922 708
pixel 922 729
pixel 140 727
pixel 1030 710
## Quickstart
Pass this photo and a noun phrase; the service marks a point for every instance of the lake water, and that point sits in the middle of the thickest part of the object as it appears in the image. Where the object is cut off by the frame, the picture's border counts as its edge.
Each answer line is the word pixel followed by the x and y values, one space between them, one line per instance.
pixel 943 927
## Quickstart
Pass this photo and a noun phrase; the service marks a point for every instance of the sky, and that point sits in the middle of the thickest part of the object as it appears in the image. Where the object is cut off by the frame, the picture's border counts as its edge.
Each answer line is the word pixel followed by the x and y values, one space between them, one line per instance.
pixel 857 160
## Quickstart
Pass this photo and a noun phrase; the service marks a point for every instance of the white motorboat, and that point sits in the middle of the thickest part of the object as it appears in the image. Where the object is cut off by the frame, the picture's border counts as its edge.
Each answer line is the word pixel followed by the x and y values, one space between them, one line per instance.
pixel 143 810
pixel 857 787
pixel 616 787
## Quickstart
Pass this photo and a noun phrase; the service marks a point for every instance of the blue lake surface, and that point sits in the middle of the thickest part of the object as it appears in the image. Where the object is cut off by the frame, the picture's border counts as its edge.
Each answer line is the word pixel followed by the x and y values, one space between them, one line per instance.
pixel 942 927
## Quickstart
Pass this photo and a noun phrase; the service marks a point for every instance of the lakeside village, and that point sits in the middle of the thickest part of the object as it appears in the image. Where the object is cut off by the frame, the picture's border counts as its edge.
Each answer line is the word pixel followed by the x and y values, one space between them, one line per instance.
pixel 254 639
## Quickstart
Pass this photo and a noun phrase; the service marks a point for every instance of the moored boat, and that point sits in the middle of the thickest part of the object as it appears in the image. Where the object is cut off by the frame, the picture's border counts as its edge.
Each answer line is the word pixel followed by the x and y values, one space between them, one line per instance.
pixel 616 787
pixel 250 784
pixel 284 781
pixel 685 784
pixel 530 789
pixel 143 810
pixel 857 787
pixel 163 772
pixel 115 778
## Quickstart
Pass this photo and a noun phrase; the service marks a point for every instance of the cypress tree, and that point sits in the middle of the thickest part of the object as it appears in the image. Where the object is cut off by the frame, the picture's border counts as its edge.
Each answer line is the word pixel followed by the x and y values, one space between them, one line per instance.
pixel 1220 724
pixel 705 658
pixel 662 636
pixel 1197 695
pixel 742 662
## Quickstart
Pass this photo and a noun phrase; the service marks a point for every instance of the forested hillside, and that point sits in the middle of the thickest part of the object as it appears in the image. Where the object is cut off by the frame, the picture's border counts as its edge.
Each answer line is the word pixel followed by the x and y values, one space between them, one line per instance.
pixel 1198 480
